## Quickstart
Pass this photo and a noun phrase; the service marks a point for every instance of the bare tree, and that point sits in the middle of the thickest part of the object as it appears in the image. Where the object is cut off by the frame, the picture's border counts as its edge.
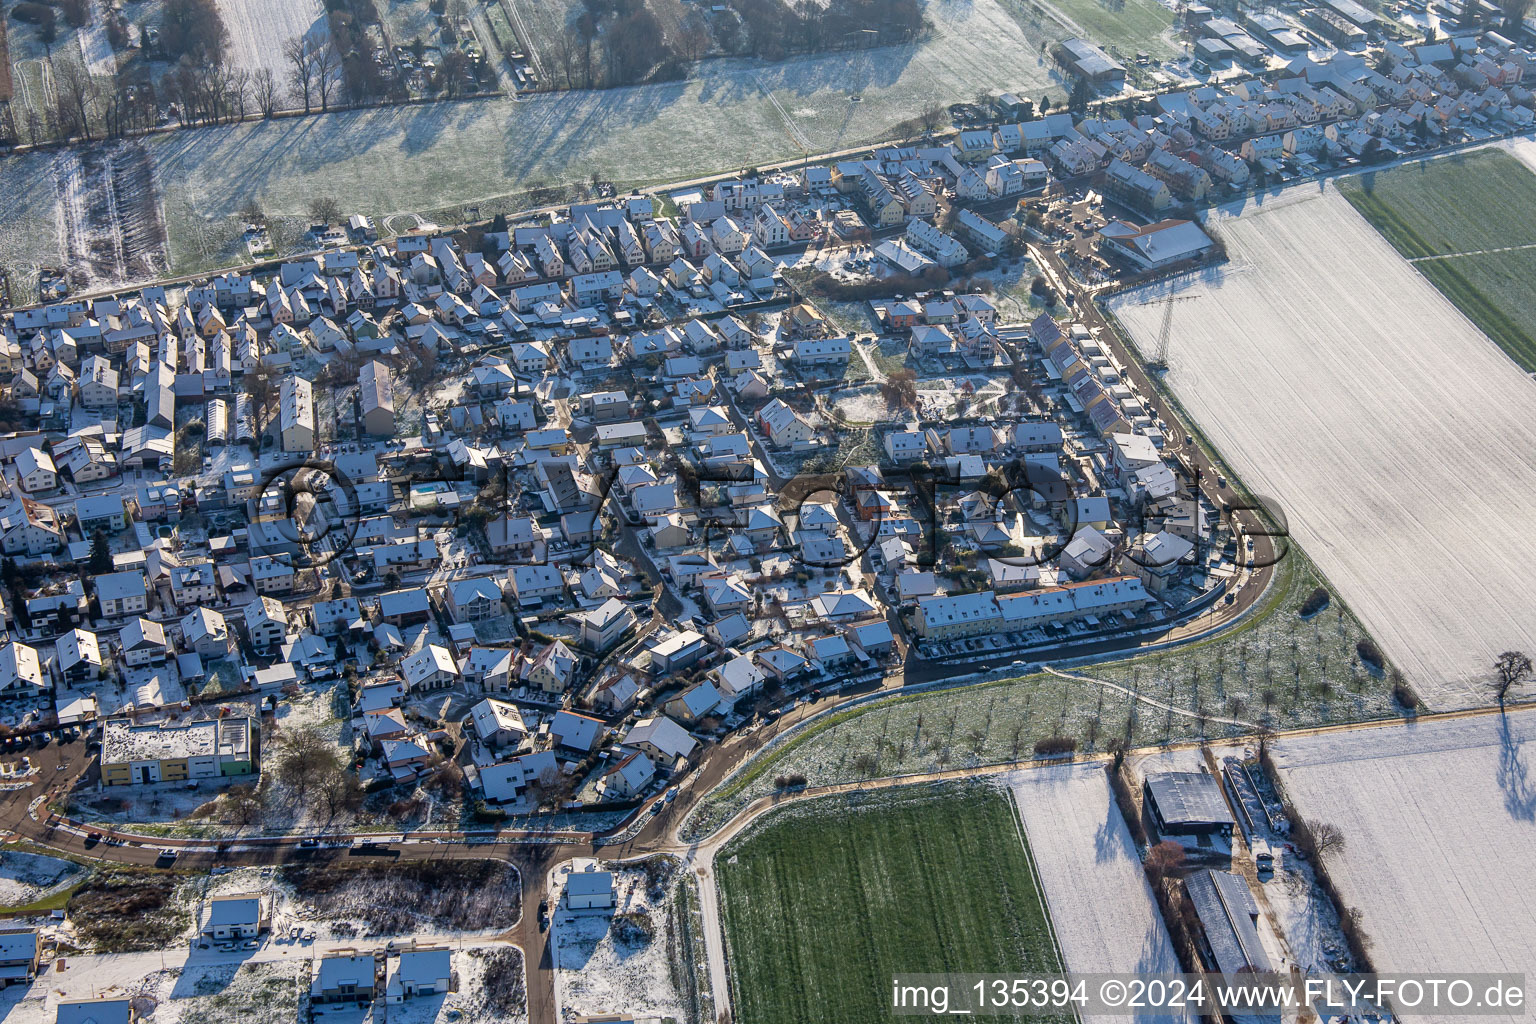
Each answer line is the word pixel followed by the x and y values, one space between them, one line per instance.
pixel 264 88
pixel 239 91
pixel 1514 12
pixel 693 39
pixel 1165 860
pixel 1320 838
pixel 327 71
pixel 339 791
pixel 301 75
pixel 37 126
pixel 324 210
pixel 563 51
pixel 78 92
pixel 1509 668
pixel 305 758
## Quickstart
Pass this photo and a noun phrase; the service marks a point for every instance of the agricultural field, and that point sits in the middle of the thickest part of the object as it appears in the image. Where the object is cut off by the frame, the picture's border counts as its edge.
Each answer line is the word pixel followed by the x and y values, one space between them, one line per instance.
pixel 438 160
pixel 1318 357
pixel 823 902
pixel 1127 26
pixel 1106 918
pixel 1214 688
pixel 1468 224
pixel 1438 820
pixel 259 28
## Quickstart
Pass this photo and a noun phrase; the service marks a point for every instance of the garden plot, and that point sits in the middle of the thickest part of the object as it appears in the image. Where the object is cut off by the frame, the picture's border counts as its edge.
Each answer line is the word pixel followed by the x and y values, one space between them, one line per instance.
pixel 108 215
pixel 1106 919
pixel 620 963
pixel 1397 438
pixel 1439 819
pixel 259 28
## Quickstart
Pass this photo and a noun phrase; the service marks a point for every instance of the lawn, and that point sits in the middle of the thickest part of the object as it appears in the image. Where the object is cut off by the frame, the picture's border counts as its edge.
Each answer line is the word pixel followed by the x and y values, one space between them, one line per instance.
pixel 1445 215
pixel 825 901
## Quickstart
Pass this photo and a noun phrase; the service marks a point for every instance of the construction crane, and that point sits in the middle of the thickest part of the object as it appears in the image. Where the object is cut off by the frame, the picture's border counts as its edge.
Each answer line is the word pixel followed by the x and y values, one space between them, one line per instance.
pixel 1160 356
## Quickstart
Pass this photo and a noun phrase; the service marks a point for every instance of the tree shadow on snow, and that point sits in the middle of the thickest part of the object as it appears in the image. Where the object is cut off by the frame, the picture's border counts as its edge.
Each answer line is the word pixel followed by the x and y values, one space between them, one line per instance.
pixel 1514 776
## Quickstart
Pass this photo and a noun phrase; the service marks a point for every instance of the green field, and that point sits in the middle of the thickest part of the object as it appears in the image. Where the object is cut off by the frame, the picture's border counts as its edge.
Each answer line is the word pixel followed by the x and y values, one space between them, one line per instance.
pixel 1448 216
pixel 1123 25
pixel 826 900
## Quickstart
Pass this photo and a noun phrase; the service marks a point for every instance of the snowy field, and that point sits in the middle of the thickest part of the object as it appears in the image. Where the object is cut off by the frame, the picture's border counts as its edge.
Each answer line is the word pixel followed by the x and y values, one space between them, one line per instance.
pixel 442 157
pixel 1105 917
pixel 1318 360
pixel 259 28
pixel 1439 821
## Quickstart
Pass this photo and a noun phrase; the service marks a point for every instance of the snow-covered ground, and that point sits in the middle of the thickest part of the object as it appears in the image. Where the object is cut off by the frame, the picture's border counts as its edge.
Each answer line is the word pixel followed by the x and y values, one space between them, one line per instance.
pixel 1397 438
pixel 95 50
pixel 1439 821
pixel 27 877
pixel 345 910
pixel 259 28
pixel 1105 917
pixel 267 988
pixel 605 966
pixel 415 159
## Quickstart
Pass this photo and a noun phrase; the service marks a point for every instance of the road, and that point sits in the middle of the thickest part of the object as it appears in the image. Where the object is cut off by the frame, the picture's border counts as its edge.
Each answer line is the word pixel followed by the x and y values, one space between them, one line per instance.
pixel 59 766
pixel 1203 464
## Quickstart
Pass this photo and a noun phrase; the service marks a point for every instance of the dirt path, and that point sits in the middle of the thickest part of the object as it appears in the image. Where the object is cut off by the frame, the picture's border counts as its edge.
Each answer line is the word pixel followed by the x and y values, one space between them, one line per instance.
pixel 1149 701
pixel 875 373
pixel 1473 252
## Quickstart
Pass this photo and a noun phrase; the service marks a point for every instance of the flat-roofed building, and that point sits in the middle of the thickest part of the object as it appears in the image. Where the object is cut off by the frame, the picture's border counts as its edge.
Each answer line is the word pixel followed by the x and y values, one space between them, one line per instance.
pixel 135 753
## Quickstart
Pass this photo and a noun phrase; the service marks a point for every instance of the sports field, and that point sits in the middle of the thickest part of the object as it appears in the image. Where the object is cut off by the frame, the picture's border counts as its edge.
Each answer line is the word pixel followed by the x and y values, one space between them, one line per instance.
pixel 825 901
pixel 1468 224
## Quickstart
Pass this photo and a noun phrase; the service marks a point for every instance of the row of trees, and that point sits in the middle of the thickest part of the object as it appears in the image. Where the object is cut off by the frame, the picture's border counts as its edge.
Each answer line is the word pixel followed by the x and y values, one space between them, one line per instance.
pixel 203 88
pixel 620 42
